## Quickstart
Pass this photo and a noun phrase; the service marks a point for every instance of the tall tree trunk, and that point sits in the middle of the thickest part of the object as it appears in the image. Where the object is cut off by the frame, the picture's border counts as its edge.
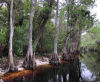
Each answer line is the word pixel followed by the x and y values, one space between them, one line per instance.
pixel 54 59
pixel 64 47
pixel 56 30
pixel 29 62
pixel 65 53
pixel 42 25
pixel 79 33
pixel 65 50
pixel 76 38
pixel 11 60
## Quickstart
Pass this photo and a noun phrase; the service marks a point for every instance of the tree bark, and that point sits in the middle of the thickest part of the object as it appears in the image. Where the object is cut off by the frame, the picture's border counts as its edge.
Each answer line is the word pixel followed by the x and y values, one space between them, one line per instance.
pixel 65 50
pixel 56 30
pixel 10 58
pixel 54 58
pixel 29 62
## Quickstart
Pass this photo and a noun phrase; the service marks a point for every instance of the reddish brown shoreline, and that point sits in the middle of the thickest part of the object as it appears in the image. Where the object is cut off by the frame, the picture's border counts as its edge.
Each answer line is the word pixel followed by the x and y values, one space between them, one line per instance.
pixel 39 68
pixel 11 76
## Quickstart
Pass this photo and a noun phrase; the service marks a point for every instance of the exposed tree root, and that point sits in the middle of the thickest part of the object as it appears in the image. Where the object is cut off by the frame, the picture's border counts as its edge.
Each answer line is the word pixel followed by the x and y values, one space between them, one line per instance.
pixel 54 60
pixel 13 69
pixel 29 62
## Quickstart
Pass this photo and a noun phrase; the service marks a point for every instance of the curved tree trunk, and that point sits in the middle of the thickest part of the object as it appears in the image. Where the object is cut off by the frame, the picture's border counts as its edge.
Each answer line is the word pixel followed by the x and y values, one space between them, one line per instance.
pixel 54 59
pixel 29 62
pixel 10 56
pixel 42 25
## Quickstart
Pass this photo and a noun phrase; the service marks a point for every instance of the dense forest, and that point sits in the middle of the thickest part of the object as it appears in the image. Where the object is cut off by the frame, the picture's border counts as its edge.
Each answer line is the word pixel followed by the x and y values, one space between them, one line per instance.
pixel 53 30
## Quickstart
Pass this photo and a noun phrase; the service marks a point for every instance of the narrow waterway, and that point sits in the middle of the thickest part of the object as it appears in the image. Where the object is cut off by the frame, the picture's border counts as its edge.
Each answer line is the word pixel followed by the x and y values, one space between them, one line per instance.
pixel 85 69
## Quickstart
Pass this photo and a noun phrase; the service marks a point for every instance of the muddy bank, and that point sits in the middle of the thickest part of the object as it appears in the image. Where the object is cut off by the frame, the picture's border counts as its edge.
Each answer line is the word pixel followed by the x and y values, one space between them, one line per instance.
pixel 40 68
pixel 22 73
pixel 25 73
pixel 18 64
pixel 42 64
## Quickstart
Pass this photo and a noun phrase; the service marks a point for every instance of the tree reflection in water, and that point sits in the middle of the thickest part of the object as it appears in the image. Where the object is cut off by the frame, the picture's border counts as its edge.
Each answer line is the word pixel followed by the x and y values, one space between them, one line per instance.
pixel 74 71
pixel 67 72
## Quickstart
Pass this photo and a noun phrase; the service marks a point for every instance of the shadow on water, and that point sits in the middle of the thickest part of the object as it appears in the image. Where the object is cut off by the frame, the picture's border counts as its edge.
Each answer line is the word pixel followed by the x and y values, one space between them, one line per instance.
pixel 75 71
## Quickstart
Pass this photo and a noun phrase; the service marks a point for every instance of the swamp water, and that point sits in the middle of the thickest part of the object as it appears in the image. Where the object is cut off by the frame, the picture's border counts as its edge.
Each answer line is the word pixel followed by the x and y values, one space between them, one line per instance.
pixel 85 69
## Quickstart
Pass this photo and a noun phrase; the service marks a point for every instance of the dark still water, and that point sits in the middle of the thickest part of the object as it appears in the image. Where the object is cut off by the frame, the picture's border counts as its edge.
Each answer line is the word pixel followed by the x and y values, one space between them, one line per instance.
pixel 84 70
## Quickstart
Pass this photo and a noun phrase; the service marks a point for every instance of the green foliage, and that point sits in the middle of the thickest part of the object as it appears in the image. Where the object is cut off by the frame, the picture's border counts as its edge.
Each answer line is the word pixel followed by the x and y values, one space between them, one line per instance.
pixel 26 7
pixel 3 17
pixel 46 42
pixel 20 35
pixel 42 16
pixel 95 32
pixel 87 2
pixel 88 41
pixel 91 38
pixel 3 32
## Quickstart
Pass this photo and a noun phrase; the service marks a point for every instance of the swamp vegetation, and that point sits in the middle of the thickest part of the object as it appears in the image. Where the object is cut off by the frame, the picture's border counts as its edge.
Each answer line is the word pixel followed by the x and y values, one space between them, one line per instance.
pixel 49 41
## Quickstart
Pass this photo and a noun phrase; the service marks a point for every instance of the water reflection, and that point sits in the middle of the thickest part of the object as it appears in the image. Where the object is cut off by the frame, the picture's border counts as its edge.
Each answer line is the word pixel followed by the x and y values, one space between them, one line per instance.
pixel 74 71
pixel 92 62
pixel 69 72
